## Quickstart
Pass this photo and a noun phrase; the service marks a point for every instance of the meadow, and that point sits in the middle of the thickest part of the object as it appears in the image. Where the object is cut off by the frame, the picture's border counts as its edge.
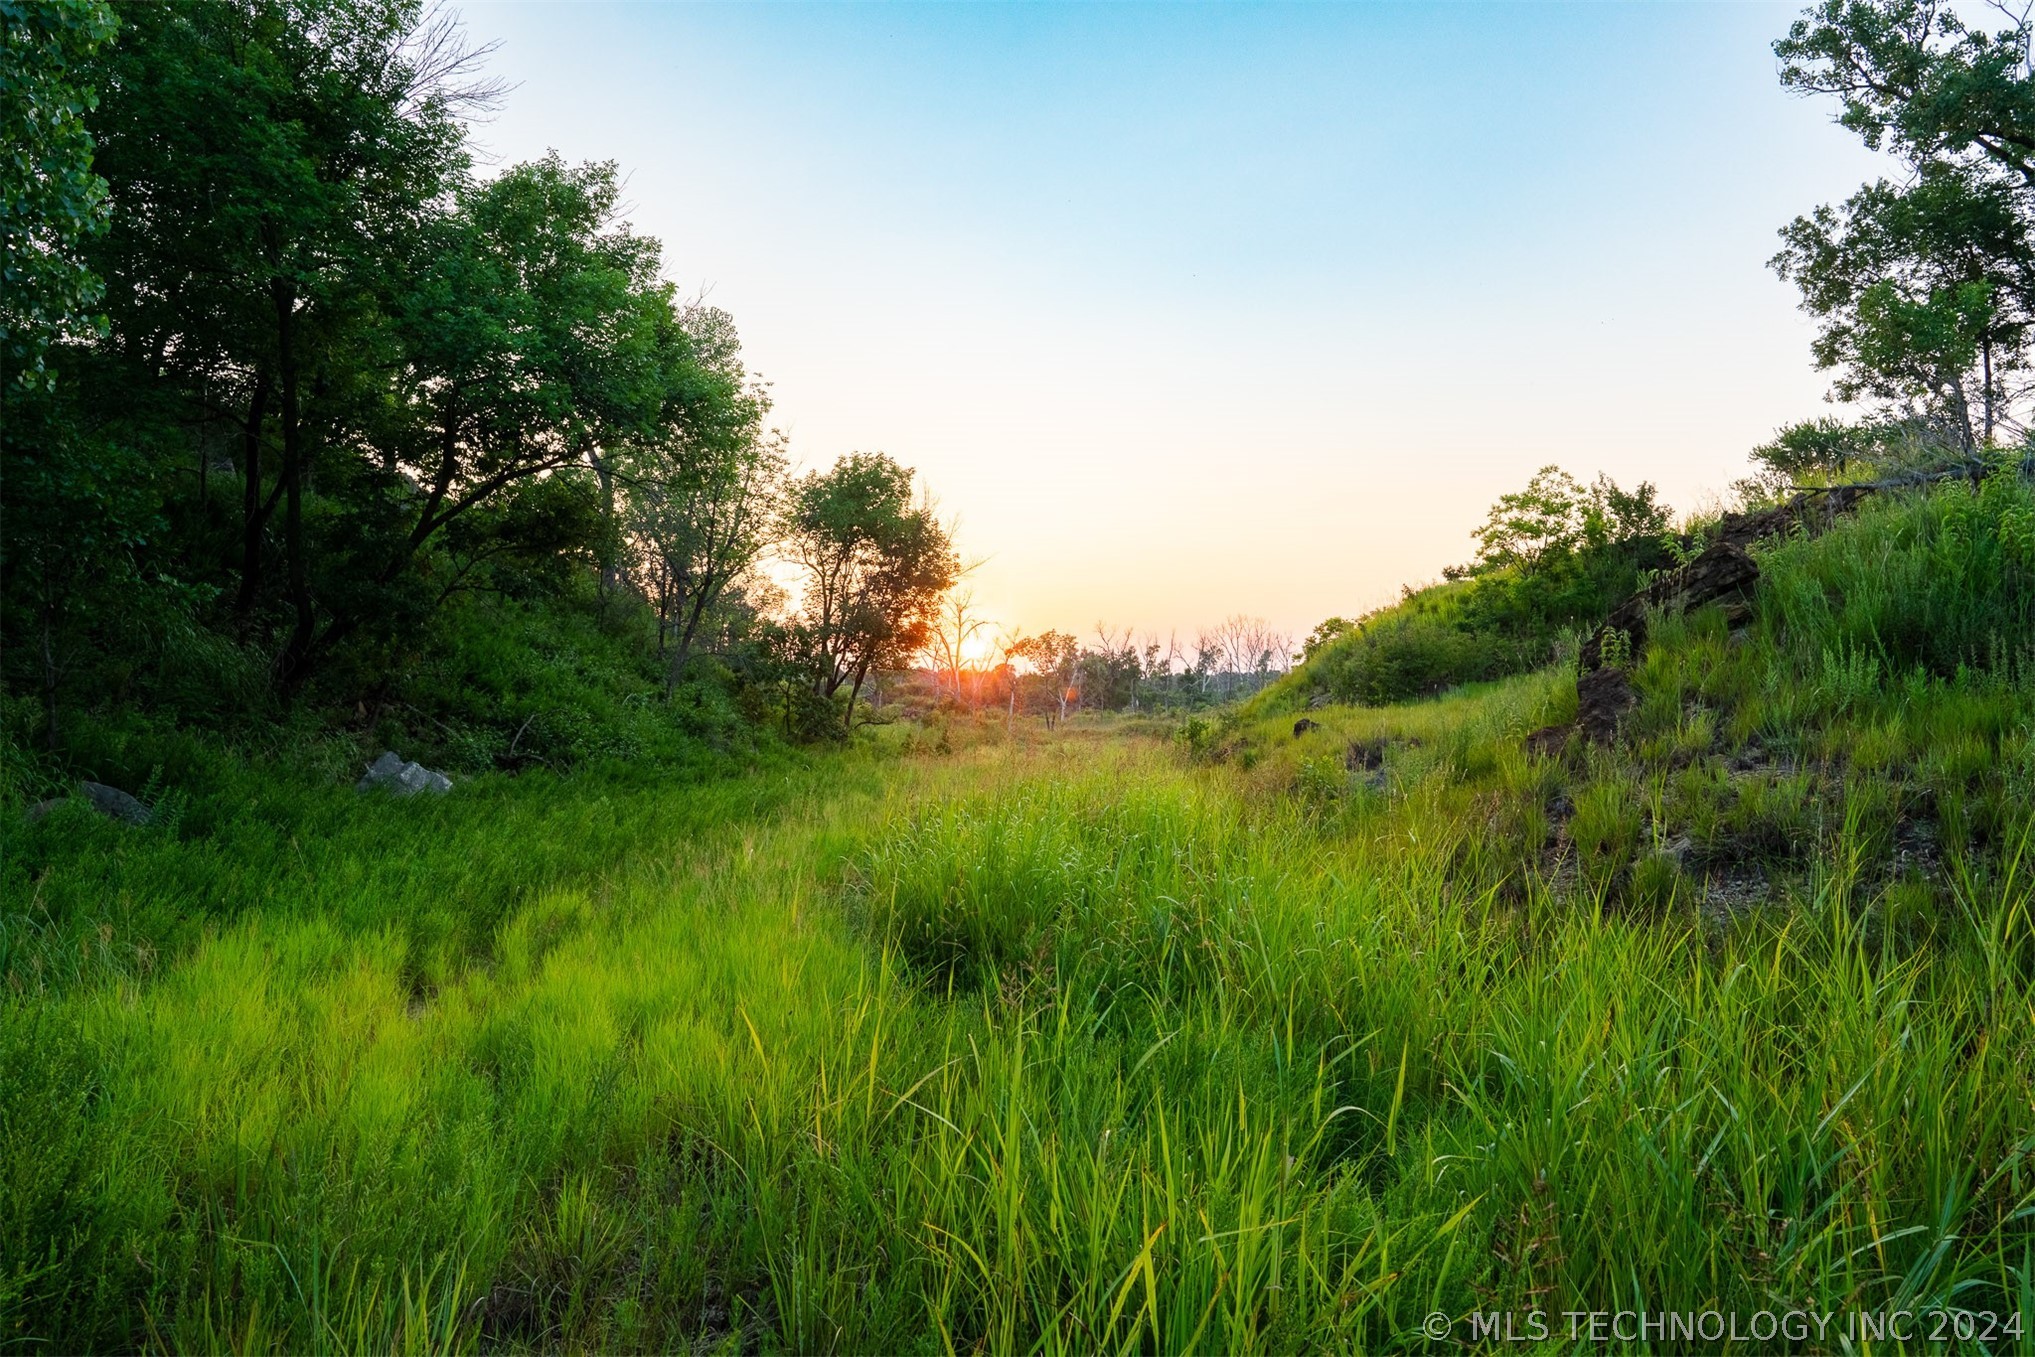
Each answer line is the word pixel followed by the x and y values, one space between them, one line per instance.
pixel 1110 1040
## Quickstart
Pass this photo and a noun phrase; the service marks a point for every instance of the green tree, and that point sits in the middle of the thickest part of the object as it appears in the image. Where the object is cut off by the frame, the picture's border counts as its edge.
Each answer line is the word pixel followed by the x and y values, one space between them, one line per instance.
pixel 1050 661
pixel 1912 77
pixel 1325 632
pixel 532 331
pixel 50 200
pixel 874 566
pixel 1543 526
pixel 1921 296
pixel 700 496
pixel 1527 528
pixel 269 165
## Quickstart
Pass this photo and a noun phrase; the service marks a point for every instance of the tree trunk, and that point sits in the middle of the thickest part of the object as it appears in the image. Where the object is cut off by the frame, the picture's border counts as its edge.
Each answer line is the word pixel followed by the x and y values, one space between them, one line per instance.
pixel 253 516
pixel 1986 350
pixel 610 578
pixel 49 669
pixel 853 693
pixel 297 654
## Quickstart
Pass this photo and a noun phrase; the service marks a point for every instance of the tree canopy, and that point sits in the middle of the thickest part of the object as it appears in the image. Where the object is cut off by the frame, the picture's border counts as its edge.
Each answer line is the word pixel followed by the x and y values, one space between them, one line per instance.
pixel 1923 291
pixel 308 404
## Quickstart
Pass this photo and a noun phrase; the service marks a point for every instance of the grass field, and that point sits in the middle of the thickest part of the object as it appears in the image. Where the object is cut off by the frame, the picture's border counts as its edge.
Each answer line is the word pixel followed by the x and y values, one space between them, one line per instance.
pixel 1071 1045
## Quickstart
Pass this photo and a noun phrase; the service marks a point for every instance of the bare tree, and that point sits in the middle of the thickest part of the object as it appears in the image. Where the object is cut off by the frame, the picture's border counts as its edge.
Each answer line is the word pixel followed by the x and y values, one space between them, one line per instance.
pixel 956 626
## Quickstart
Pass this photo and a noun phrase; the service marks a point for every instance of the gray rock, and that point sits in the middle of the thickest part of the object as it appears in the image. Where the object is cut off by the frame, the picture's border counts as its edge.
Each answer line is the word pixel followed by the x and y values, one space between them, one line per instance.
pixel 115 804
pixel 391 774
pixel 110 802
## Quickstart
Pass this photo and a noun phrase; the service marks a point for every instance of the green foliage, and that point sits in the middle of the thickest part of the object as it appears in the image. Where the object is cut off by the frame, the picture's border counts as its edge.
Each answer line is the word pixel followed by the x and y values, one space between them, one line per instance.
pixel 1554 558
pixel 1916 293
pixel 1555 518
pixel 1324 632
pixel 1922 291
pixel 50 201
pixel 360 421
pixel 874 565
pixel 1814 447
pixel 1414 650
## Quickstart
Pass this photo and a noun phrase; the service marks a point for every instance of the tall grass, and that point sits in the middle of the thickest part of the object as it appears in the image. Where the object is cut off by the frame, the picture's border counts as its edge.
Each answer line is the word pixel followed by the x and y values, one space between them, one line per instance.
pixel 1062 1049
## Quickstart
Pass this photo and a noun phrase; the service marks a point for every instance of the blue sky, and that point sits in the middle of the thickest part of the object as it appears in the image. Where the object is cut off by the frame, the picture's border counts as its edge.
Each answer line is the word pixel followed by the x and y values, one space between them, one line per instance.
pixel 1188 310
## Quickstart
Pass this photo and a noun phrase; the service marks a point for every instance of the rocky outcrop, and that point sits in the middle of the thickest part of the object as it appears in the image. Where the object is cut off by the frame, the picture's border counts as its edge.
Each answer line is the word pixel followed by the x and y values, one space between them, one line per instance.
pixel 1812 511
pixel 1603 697
pixel 1722 571
pixel 391 774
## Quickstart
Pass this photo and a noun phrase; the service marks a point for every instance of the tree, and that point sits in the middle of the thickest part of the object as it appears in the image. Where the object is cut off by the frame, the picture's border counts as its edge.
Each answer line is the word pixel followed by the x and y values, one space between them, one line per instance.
pixel 270 165
pixel 1921 296
pixel 700 496
pixel 1925 292
pixel 50 200
pixel 874 564
pixel 1555 517
pixel 1325 632
pixel 1528 527
pixel 87 509
pixel 1243 651
pixel 958 624
pixel 1051 658
pixel 1911 77
pixel 533 332
pixel 1112 674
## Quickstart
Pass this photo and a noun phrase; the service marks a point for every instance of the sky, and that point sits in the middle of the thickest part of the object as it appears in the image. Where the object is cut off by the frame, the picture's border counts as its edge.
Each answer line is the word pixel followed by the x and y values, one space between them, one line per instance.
pixel 1192 310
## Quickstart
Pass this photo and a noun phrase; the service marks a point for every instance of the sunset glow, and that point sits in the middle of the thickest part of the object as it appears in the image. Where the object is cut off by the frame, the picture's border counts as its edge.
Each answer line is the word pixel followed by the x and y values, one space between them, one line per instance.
pixel 1172 303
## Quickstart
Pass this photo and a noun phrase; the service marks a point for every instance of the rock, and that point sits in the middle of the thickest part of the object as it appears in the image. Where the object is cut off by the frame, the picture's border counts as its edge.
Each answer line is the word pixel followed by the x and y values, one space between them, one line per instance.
pixel 1549 741
pixel 389 765
pixel 1303 725
pixel 1319 700
pixel 1811 510
pixel 115 804
pixel 393 775
pixel 1364 755
pixel 1722 571
pixel 110 802
pixel 1603 697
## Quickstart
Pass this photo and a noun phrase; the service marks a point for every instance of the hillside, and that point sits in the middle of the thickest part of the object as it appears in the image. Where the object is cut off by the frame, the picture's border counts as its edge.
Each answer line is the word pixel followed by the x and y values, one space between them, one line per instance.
pixel 1860 721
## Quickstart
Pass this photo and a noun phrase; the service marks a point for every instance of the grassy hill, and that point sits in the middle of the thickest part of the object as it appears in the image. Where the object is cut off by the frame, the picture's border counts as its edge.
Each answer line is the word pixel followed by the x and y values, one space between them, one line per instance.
pixel 1868 715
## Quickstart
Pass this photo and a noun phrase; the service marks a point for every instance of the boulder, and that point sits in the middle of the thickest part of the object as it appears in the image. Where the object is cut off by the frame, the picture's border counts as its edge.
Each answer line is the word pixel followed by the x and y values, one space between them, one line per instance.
pixel 110 802
pixel 1603 697
pixel 1303 725
pixel 1549 741
pixel 398 778
pixel 115 804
